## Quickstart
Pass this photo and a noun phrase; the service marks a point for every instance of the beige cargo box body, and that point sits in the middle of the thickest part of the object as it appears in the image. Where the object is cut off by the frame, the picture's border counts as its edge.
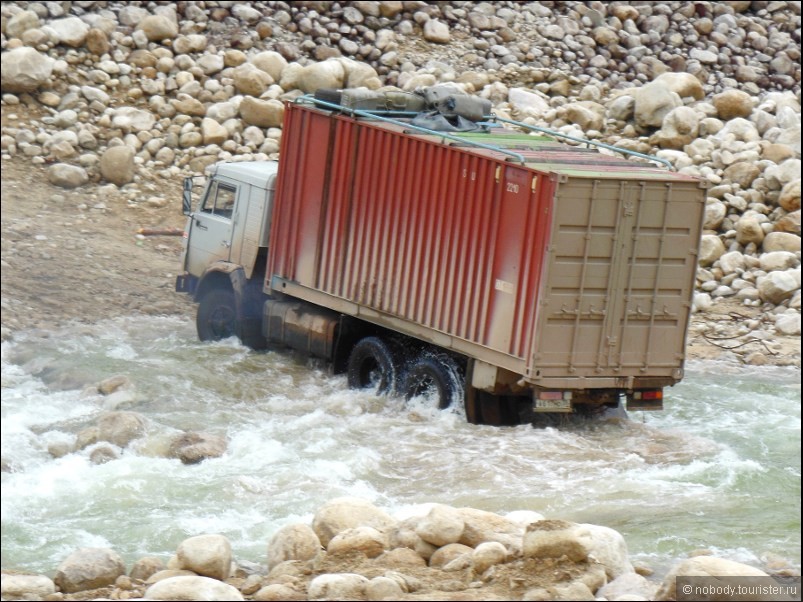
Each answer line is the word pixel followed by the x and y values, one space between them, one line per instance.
pixel 619 279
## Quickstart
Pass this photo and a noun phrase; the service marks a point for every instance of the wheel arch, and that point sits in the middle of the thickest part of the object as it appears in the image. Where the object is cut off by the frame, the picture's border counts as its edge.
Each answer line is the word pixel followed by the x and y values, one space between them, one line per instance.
pixel 213 278
pixel 224 275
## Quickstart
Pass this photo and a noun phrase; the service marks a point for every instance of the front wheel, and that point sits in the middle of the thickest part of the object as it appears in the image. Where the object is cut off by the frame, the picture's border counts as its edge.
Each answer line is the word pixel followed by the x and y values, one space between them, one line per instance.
pixel 437 377
pixel 217 316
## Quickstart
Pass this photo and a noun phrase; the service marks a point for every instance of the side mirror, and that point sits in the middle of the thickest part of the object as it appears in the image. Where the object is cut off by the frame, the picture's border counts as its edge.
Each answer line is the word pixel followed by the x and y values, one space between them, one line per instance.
pixel 186 197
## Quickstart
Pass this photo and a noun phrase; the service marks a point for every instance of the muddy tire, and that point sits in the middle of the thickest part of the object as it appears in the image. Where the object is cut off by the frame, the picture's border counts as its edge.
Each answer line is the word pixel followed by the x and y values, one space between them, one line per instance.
pixel 217 316
pixel 374 364
pixel 437 376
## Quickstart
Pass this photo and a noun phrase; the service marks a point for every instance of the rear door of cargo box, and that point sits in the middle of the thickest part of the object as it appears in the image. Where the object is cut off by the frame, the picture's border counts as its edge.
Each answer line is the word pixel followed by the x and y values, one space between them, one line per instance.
pixel 619 278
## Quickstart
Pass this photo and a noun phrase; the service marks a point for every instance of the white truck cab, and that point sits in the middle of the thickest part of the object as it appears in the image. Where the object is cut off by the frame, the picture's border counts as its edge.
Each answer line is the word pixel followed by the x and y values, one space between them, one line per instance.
pixel 223 240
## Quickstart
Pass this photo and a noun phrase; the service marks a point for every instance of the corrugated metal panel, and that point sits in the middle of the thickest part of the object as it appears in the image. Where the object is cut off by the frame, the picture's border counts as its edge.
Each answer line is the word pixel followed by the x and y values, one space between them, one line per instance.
pixel 437 236
pixel 617 292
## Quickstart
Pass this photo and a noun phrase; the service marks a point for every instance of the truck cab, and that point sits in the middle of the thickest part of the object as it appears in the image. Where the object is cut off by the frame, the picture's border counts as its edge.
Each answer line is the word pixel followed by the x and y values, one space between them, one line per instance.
pixel 224 238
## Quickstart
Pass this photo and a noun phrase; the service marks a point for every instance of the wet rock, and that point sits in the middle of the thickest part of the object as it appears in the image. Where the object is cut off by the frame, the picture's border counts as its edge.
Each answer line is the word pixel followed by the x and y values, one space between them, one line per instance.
pixel 102 454
pixel 206 555
pixel 192 448
pixel 120 428
pixel 89 568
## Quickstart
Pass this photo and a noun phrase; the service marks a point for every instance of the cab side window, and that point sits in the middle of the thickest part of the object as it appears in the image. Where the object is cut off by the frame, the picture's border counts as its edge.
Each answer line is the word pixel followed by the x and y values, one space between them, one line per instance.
pixel 220 200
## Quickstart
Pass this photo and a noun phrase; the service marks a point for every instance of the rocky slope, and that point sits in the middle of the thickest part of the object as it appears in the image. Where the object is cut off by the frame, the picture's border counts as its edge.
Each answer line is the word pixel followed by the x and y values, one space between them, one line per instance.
pixel 105 105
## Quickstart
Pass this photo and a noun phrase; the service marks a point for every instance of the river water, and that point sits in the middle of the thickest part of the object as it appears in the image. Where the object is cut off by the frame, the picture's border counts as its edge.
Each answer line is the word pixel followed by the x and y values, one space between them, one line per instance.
pixel 718 469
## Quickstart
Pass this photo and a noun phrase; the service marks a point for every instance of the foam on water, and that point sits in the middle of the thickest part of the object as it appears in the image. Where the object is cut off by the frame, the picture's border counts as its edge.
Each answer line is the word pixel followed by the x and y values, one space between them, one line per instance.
pixel 718 469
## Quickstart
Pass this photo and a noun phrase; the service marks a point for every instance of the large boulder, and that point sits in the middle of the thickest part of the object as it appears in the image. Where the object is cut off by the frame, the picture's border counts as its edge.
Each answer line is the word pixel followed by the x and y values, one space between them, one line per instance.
pixel 733 103
pixel 158 28
pixel 789 198
pixel 117 165
pixel 679 128
pixel 89 568
pixel 270 62
pixel 365 540
pixel 781 241
pixel 343 513
pixel 777 287
pixel 208 555
pixel 120 428
pixel 71 31
pixel 685 85
pixel 705 566
pixel 20 23
pixel 653 103
pixel 488 554
pixel 579 543
pixel 442 525
pixel 192 448
pixel 26 587
pixel 527 102
pixel 25 69
pixel 293 542
pixel 482 526
pixel 326 74
pixel 250 79
pixel 65 175
pixel 262 113
pixel 711 249
pixel 587 114
pixel 130 119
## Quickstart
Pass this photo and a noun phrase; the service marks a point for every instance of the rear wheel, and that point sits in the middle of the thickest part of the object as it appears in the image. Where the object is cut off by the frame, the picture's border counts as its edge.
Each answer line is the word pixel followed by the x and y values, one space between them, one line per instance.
pixel 437 377
pixel 374 364
pixel 217 316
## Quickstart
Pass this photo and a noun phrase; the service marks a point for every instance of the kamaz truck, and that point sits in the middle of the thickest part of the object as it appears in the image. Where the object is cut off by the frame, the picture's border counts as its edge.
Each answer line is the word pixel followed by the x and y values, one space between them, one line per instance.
pixel 484 263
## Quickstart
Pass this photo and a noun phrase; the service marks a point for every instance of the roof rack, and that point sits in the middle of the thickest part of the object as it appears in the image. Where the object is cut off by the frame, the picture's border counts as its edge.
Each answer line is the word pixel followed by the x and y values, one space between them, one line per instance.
pixel 387 116
pixel 610 147
pixel 378 116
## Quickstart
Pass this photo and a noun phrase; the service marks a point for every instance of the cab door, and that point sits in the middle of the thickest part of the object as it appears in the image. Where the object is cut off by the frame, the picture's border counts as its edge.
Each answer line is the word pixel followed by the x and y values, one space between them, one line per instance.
pixel 212 226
